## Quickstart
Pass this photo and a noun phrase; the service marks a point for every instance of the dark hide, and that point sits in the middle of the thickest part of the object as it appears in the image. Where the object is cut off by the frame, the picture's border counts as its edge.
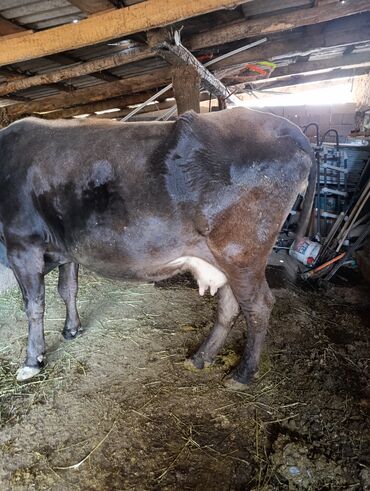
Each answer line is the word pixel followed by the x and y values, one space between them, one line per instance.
pixel 127 199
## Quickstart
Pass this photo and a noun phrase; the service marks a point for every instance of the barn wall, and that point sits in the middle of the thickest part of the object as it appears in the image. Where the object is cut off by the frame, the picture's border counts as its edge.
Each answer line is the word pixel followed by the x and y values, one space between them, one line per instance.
pixel 340 116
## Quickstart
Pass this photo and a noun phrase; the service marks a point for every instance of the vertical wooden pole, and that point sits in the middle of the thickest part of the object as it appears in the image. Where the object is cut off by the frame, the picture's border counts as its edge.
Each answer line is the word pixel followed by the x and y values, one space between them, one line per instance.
pixel 186 86
pixel 221 103
pixel 361 92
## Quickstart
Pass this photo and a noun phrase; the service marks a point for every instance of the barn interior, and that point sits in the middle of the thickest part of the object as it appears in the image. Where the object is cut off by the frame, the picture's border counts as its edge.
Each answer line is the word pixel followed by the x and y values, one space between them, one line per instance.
pixel 116 408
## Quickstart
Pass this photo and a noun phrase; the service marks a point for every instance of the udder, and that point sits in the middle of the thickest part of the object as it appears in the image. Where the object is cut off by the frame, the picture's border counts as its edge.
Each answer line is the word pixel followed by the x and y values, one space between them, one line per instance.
pixel 207 275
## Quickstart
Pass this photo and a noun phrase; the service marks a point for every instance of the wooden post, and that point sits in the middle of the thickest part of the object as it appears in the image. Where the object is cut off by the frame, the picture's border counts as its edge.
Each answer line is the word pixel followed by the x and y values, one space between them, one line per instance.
pixel 186 86
pixel 361 92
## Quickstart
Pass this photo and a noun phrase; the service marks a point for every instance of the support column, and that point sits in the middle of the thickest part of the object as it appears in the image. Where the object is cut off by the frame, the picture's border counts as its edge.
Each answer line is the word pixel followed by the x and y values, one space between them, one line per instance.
pixel 186 86
pixel 361 91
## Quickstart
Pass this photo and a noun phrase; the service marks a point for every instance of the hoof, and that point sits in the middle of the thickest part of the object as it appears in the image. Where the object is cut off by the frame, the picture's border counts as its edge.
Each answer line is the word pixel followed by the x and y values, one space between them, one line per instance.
pixel 231 383
pixel 196 363
pixel 26 373
pixel 190 365
pixel 68 334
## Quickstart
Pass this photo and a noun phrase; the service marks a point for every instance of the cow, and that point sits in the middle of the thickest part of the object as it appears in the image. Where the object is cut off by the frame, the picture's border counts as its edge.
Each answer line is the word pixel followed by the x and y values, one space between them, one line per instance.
pixel 207 193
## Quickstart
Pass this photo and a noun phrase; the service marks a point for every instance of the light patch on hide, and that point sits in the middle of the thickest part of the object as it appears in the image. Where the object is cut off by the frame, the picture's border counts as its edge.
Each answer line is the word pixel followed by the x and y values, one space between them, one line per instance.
pixel 233 249
pixel 263 229
pixel 207 276
pixel 101 172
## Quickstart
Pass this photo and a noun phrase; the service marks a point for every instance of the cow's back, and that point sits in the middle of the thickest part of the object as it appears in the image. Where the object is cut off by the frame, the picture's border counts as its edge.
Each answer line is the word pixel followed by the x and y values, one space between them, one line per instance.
pixel 55 174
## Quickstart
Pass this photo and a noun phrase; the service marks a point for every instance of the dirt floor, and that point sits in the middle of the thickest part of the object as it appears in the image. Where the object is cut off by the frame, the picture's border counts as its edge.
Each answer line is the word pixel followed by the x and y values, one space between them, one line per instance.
pixel 116 409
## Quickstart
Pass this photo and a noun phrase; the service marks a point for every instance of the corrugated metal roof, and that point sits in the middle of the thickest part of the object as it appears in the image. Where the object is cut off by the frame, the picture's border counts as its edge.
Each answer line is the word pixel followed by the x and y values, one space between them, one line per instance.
pixel 40 14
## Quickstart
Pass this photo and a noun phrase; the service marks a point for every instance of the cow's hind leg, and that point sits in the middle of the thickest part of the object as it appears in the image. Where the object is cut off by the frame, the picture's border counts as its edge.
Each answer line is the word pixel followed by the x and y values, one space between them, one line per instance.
pixel 27 263
pixel 68 287
pixel 227 312
pixel 256 302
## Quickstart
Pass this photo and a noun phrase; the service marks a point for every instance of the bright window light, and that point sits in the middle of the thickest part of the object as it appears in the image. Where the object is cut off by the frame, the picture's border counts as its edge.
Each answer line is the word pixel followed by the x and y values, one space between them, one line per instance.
pixel 340 93
pixel 113 110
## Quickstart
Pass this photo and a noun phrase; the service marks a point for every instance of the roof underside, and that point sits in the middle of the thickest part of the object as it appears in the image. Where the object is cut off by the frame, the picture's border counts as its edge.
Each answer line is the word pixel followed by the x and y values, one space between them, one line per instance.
pixel 298 51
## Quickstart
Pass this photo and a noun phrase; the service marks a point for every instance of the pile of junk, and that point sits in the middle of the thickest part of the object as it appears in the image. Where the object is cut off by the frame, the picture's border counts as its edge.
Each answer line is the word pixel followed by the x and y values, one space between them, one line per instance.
pixel 340 222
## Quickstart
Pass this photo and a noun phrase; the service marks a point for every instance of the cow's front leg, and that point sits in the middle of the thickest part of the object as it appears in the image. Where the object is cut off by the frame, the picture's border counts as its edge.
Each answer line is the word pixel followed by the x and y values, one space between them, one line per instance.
pixel 256 302
pixel 227 312
pixel 28 267
pixel 68 287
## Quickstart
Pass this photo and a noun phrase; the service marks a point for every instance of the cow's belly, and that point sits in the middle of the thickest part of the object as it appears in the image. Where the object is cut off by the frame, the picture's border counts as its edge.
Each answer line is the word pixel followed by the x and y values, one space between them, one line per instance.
pixel 146 268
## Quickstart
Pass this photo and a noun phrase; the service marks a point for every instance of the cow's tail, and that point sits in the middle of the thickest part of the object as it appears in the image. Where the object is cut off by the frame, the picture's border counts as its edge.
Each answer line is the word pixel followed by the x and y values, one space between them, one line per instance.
pixel 308 201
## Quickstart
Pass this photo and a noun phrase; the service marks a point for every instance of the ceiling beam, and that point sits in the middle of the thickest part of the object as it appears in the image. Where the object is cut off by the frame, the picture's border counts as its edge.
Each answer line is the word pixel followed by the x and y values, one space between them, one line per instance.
pixel 344 32
pixel 154 106
pixel 79 70
pixel 295 79
pixel 352 61
pixel 276 23
pixel 349 61
pixel 104 27
pixel 114 102
pixel 99 92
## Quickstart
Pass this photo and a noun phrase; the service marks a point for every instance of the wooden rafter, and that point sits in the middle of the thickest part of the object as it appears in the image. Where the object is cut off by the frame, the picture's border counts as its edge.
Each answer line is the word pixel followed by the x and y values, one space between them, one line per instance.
pixel 114 102
pixel 104 27
pixel 7 28
pixel 86 68
pixel 92 6
pixel 298 79
pixel 99 92
pixel 271 24
pixel 353 61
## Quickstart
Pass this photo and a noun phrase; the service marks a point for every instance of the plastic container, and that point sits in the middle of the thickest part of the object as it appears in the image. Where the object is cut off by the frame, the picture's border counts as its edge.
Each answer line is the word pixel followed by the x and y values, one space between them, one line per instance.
pixel 305 251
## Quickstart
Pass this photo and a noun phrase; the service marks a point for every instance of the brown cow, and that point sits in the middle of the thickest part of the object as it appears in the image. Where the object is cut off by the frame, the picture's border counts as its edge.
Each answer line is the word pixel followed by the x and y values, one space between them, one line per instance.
pixel 145 201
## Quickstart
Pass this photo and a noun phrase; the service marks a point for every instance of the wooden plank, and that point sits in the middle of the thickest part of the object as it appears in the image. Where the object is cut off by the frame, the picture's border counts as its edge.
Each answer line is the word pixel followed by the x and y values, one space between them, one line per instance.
pixel 276 23
pixel 99 92
pixel 91 6
pixel 86 68
pixel 153 107
pixel 106 26
pixel 7 27
pixel 295 79
pixel 114 102
pixel 121 103
pixel 353 61
pixel 186 87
